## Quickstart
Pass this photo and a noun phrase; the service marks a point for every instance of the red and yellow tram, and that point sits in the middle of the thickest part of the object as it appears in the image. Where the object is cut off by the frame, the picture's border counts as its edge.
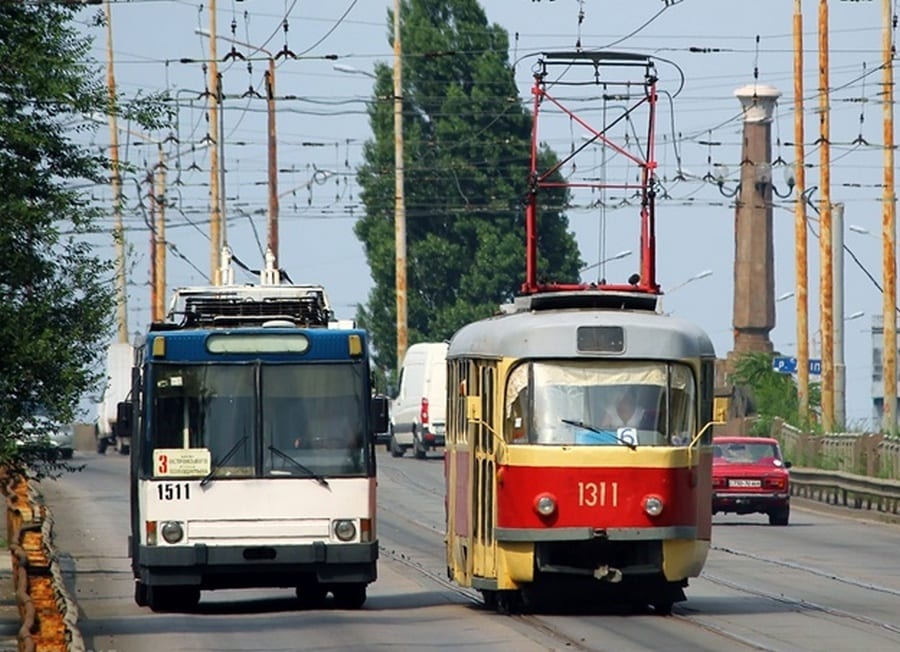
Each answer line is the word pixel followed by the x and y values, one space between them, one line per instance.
pixel 578 449
pixel 545 496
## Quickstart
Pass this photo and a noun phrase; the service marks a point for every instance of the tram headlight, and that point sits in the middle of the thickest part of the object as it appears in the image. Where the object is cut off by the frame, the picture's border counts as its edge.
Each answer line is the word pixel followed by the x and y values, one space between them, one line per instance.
pixel 653 505
pixel 172 531
pixel 344 530
pixel 545 505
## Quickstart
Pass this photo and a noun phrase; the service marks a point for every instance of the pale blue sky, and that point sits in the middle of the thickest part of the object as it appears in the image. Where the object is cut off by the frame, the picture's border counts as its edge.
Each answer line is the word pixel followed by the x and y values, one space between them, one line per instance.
pixel 325 131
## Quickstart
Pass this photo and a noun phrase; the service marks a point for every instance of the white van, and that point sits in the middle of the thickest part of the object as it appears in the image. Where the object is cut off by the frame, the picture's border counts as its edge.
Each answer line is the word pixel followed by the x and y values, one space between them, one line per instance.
pixel 418 412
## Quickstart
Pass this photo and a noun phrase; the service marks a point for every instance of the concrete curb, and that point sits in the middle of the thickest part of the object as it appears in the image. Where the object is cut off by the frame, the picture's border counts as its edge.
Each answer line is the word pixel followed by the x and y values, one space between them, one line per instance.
pixel 49 615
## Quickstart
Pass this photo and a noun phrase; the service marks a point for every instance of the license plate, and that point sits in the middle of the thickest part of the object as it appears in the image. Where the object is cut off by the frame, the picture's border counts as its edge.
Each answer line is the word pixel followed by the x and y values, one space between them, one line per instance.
pixel 744 483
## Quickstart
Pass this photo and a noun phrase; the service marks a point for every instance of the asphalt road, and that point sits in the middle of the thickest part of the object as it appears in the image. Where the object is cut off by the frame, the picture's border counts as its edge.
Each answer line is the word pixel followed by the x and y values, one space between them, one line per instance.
pixel 825 582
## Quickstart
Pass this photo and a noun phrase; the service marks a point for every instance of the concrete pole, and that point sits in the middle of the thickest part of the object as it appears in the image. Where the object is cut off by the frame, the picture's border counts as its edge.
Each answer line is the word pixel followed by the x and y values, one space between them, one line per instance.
pixel 889 230
pixel 800 232
pixel 118 229
pixel 272 164
pixel 826 276
pixel 840 382
pixel 215 218
pixel 399 201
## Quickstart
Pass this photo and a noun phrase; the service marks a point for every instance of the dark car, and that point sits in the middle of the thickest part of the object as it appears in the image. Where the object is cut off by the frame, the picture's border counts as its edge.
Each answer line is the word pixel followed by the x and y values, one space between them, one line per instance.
pixel 750 476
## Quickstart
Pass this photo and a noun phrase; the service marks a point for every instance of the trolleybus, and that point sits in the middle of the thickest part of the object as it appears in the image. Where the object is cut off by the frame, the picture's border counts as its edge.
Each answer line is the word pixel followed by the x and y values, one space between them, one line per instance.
pixel 253 461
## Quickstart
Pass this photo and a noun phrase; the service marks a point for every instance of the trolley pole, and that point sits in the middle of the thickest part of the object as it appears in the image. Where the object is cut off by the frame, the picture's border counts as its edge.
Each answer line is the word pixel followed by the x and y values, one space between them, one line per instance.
pixel 399 201
pixel 889 230
pixel 118 230
pixel 800 234
pixel 826 277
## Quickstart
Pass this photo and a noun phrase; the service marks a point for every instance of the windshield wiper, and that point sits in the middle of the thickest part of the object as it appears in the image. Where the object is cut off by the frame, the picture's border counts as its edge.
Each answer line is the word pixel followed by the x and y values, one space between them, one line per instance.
pixel 218 465
pixel 308 471
pixel 607 433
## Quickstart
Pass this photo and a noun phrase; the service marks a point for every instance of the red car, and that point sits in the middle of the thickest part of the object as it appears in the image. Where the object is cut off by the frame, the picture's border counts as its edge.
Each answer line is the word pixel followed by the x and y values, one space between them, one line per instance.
pixel 749 476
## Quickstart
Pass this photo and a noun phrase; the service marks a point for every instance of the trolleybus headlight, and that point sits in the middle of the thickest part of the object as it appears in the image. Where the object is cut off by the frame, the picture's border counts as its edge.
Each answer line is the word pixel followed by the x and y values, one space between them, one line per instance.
pixel 172 531
pixel 345 530
pixel 653 505
pixel 545 505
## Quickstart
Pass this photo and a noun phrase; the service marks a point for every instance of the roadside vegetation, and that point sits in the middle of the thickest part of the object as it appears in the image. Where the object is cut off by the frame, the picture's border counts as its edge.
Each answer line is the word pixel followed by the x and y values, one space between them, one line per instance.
pixel 56 292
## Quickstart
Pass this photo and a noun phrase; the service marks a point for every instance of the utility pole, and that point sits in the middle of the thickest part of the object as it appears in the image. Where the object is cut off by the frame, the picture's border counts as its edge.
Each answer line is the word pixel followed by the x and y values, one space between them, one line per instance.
pixel 889 231
pixel 273 163
pixel 215 220
pixel 399 201
pixel 118 230
pixel 800 233
pixel 840 371
pixel 159 250
pixel 826 277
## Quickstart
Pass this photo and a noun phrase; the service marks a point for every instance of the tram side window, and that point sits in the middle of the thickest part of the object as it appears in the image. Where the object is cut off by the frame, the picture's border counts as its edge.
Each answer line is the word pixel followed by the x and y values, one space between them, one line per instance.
pixel 516 417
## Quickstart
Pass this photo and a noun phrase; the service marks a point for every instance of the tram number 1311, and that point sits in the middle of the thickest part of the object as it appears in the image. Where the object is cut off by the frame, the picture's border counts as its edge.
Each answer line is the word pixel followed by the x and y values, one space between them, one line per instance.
pixel 598 494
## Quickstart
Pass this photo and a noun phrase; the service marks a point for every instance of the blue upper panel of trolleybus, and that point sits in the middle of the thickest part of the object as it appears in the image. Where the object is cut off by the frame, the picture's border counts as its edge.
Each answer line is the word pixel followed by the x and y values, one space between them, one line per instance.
pixel 192 345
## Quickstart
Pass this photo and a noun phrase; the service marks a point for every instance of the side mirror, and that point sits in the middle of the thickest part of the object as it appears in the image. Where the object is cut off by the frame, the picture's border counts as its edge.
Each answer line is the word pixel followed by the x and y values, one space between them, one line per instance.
pixel 787 464
pixel 123 419
pixel 378 413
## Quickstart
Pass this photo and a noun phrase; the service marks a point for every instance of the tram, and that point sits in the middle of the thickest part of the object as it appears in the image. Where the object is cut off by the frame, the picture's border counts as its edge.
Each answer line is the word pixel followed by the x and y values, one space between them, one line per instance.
pixel 578 450
pixel 253 460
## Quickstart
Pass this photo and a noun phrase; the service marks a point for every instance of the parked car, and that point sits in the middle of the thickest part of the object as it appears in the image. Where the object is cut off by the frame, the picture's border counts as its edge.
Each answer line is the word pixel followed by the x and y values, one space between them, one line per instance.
pixel 418 411
pixel 41 435
pixel 750 476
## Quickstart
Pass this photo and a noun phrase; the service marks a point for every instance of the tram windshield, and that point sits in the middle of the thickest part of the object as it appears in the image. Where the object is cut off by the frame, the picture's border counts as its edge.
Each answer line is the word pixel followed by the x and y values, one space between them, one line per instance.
pixel 600 403
pixel 270 419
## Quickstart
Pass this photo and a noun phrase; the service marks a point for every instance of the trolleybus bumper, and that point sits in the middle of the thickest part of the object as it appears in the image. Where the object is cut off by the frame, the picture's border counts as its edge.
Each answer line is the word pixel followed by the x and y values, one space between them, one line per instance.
pixel 209 567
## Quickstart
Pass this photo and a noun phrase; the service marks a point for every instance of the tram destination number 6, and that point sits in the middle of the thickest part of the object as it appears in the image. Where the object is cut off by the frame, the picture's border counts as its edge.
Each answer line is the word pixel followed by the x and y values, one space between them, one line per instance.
pixel 598 494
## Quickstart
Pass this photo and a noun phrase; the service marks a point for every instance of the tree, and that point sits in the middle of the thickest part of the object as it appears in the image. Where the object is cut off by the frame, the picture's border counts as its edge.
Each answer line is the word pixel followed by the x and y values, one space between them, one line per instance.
pixel 56 295
pixel 466 160
pixel 774 394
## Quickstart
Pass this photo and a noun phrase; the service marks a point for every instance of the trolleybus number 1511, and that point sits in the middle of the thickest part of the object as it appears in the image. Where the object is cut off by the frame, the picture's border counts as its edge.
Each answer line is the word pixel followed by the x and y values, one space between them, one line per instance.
pixel 174 491
pixel 602 494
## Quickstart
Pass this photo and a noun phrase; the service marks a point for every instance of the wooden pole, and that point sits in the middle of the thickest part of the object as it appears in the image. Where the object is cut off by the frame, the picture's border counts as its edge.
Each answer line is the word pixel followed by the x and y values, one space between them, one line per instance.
pixel 800 233
pixel 215 220
pixel 889 230
pixel 826 276
pixel 159 253
pixel 399 201
pixel 118 230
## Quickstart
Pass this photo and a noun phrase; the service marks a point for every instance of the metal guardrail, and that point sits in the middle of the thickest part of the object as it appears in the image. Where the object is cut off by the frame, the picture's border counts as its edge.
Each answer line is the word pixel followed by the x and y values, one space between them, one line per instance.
pixel 846 489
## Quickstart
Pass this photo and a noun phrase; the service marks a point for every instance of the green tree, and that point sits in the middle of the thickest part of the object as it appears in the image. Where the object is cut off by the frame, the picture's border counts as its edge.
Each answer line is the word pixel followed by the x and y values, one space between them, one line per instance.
pixel 466 162
pixel 774 394
pixel 56 295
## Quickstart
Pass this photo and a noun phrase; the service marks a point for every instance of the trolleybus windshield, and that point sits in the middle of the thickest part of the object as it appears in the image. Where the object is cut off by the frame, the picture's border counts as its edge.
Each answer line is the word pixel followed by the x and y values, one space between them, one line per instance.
pixel 310 422
pixel 632 402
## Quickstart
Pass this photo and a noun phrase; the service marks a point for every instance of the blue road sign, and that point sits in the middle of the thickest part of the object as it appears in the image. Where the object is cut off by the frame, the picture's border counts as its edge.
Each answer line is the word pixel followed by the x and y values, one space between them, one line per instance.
pixel 815 367
pixel 784 365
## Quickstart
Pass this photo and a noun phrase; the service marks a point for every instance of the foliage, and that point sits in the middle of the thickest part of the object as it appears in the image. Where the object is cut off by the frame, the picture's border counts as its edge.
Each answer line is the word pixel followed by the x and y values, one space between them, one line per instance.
pixel 56 295
pixel 774 394
pixel 466 161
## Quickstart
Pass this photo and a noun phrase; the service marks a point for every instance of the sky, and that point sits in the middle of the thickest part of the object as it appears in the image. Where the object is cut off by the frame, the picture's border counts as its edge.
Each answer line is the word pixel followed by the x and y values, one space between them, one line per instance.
pixel 717 45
